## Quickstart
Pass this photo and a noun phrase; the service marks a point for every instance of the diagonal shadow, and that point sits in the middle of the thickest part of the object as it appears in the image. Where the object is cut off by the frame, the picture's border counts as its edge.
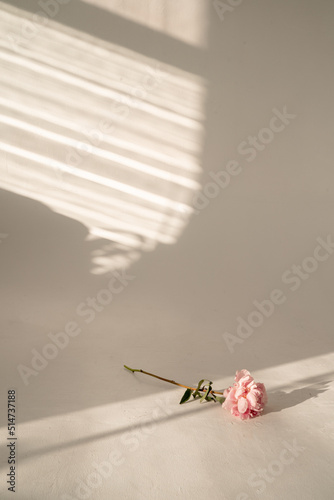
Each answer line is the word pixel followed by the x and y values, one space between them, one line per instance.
pixel 281 399
pixel 115 29
pixel 105 435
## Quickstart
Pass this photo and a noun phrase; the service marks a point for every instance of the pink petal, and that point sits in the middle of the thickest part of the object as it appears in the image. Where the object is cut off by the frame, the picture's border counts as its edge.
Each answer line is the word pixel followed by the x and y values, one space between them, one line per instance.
pixel 228 404
pixel 263 392
pixel 226 392
pixel 239 392
pixel 242 405
pixel 252 399
pixel 232 393
pixel 239 375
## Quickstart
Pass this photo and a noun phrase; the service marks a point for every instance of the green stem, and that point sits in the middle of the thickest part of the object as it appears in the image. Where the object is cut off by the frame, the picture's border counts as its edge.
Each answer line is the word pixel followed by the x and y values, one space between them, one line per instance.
pixel 167 380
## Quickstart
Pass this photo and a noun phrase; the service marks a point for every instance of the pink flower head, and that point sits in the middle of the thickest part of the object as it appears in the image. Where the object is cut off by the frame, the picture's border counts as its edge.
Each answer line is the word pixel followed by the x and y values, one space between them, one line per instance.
pixel 245 398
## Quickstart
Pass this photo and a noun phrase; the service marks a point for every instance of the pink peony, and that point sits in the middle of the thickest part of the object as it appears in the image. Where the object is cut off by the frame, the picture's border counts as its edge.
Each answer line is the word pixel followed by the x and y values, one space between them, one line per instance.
pixel 245 398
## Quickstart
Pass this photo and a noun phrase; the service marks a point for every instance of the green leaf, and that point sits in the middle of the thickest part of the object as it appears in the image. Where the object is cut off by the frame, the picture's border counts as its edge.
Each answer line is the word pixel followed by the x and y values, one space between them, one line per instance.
pixel 186 396
pixel 206 394
pixel 220 400
pixel 196 393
